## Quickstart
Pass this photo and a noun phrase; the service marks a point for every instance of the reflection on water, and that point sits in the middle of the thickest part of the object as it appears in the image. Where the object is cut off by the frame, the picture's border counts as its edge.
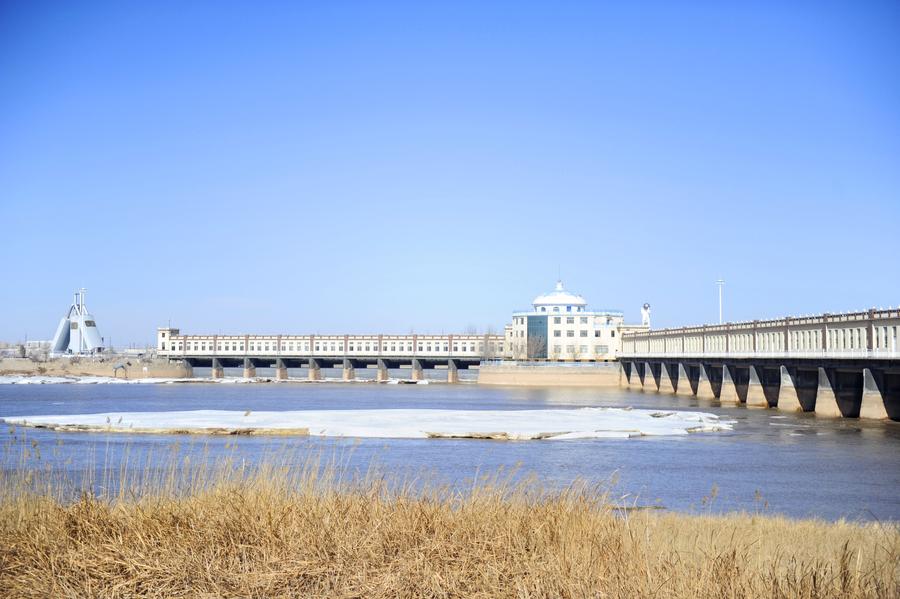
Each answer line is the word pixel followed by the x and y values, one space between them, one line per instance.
pixel 799 465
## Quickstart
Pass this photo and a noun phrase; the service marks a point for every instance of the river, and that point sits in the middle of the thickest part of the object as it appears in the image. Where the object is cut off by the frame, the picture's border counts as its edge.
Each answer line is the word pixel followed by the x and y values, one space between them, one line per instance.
pixel 771 462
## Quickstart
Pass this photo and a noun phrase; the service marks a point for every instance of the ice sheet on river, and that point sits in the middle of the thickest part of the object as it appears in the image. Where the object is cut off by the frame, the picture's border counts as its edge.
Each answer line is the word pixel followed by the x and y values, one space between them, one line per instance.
pixel 582 423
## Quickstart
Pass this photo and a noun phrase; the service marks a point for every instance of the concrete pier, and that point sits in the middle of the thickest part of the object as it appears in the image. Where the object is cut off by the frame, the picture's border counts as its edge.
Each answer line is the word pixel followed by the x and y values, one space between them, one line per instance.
pixel 872 405
pixel 651 377
pixel 348 372
pixel 826 400
pixel 382 374
pixel 418 373
pixel 281 371
pixel 685 386
pixel 314 370
pixel 788 401
pixel 249 369
pixel 217 371
pixel 668 384
pixel 452 372
pixel 704 385
pixel 756 397
pixel 730 393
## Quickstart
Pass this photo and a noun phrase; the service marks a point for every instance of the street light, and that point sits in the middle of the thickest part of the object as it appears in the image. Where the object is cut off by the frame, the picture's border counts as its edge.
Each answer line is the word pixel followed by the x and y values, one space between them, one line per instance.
pixel 721 284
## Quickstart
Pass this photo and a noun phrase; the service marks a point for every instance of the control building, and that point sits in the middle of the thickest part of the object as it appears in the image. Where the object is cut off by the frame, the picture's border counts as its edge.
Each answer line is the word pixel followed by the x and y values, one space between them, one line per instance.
pixel 561 327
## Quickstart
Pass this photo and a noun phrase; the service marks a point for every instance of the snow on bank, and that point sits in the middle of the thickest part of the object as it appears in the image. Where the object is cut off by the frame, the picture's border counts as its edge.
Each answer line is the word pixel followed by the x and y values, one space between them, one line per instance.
pixel 583 423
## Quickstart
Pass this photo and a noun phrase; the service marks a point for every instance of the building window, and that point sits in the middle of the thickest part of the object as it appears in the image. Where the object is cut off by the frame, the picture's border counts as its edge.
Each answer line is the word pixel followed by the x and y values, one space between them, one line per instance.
pixel 584 320
pixel 557 333
pixel 557 320
pixel 583 333
pixel 568 308
pixel 601 349
pixel 570 320
pixel 570 333
pixel 583 349
pixel 556 308
pixel 598 333
pixel 612 333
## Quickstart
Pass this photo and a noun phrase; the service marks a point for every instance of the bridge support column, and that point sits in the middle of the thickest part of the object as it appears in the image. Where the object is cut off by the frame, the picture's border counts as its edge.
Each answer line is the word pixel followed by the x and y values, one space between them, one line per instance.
pixel 249 369
pixel 873 404
pixel 668 378
pixel 802 386
pixel 348 372
pixel 382 374
pixel 315 370
pixel 217 371
pixel 765 392
pixel 888 382
pixel 640 370
pixel 826 400
pixel 729 393
pixel 651 378
pixel 709 384
pixel 686 385
pixel 281 373
pixel 418 373
pixel 452 372
pixel 788 400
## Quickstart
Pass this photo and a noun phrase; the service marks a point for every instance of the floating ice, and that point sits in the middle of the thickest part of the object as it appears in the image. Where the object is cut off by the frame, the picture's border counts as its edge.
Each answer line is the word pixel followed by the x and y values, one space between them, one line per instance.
pixel 583 423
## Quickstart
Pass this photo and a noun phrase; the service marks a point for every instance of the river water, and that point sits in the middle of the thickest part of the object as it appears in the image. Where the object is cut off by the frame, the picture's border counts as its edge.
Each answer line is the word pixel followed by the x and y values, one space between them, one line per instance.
pixel 772 462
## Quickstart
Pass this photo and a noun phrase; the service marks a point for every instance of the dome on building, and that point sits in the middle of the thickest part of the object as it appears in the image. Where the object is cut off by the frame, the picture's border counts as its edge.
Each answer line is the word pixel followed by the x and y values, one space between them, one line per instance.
pixel 558 297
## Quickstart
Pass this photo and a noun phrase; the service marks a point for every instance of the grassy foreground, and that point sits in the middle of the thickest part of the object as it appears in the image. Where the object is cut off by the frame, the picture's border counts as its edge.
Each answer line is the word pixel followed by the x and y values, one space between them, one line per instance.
pixel 279 532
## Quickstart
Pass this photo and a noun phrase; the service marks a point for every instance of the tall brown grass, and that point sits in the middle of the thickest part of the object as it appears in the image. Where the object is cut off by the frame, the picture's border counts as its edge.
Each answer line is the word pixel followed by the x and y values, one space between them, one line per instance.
pixel 314 531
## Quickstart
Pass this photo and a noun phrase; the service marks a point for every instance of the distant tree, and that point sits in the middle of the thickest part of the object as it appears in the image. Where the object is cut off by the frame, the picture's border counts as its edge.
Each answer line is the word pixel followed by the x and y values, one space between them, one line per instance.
pixel 536 345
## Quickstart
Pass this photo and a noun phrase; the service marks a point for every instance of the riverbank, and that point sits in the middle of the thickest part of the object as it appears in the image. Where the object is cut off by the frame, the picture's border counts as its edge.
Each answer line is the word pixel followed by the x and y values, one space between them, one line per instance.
pixel 313 533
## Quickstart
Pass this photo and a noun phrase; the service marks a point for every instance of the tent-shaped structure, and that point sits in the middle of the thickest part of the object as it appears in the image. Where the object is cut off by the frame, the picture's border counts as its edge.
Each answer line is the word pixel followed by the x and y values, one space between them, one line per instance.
pixel 77 331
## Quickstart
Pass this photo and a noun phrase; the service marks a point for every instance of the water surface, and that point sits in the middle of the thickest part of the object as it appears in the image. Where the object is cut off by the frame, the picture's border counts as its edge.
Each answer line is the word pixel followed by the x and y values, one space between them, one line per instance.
pixel 795 464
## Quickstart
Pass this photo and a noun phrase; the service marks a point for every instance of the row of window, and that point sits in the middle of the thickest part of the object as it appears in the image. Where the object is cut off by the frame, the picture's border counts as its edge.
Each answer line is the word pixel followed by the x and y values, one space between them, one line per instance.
pixel 334 347
pixel 568 309
pixel 599 350
pixel 582 333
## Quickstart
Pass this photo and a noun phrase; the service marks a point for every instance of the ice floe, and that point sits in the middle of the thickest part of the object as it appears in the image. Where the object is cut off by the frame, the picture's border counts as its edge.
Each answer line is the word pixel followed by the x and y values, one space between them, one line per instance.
pixel 582 423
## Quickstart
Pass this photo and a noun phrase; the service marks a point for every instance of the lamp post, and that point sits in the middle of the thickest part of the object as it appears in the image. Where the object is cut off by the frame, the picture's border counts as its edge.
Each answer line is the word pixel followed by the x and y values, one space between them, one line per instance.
pixel 721 284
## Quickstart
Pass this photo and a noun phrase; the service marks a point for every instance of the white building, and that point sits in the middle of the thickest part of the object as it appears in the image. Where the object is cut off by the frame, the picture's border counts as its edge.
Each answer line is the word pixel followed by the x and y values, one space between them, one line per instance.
pixel 561 327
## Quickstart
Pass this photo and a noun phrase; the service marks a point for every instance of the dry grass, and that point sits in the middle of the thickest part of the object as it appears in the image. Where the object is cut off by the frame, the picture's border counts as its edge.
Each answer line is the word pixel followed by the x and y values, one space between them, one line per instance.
pixel 306 532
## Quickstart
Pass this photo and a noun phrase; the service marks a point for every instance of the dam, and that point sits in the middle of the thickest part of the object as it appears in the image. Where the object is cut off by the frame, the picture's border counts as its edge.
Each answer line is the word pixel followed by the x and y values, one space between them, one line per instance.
pixel 315 352
pixel 844 364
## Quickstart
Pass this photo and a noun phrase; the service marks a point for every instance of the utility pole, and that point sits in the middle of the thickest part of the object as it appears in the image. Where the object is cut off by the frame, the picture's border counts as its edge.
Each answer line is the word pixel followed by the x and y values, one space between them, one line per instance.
pixel 721 284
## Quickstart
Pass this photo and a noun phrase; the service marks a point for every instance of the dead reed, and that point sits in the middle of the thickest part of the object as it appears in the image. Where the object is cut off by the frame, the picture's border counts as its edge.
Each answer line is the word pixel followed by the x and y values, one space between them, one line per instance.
pixel 314 531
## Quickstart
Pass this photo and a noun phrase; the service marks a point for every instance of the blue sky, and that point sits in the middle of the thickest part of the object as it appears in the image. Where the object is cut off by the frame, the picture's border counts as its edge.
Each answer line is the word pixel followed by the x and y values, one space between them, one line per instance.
pixel 387 167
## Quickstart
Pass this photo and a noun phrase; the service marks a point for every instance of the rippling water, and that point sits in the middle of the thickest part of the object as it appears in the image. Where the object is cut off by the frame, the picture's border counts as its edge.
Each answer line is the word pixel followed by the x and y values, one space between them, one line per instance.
pixel 773 462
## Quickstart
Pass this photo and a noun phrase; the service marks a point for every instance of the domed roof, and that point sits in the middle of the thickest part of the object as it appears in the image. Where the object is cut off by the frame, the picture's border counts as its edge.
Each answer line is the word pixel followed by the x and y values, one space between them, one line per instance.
pixel 559 297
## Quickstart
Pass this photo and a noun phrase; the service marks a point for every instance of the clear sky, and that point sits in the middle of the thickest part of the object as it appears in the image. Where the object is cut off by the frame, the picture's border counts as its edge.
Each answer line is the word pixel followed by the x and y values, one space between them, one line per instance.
pixel 385 167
